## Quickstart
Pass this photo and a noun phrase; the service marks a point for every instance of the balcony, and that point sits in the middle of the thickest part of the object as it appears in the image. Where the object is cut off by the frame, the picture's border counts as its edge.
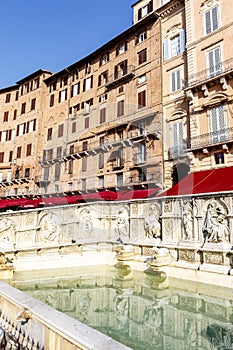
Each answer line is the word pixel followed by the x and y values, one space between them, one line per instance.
pixel 120 77
pixel 178 151
pixel 211 139
pixel 210 74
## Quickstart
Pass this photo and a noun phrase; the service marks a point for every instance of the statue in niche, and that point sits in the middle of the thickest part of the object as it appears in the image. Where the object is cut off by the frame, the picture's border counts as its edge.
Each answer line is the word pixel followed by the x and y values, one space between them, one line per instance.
pixel 215 226
pixel 49 229
pixel 122 225
pixel 86 223
pixel 188 221
pixel 152 224
pixel 7 233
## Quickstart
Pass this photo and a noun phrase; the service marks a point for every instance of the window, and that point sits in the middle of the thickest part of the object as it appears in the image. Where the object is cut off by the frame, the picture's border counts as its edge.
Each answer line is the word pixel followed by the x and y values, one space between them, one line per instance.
pixel 142 99
pixel 46 173
pixel 219 158
pixel 102 115
pixel 59 152
pixel 103 78
pixel 175 45
pixel 23 108
pixel 19 150
pixel 75 89
pixel 10 156
pixel 84 184
pixel 140 38
pixel 16 95
pixel 88 83
pixel 33 104
pixel 214 62
pixel 51 103
pixel 62 95
pixel 142 56
pixel 29 150
pixel 120 70
pixel 141 152
pixel 88 68
pixel 8 98
pixel 60 130
pixel 84 164
pixel 57 172
pixel 27 173
pixel 177 138
pixel 121 49
pixel 120 179
pixel 103 97
pixel 86 123
pixel 104 59
pixel 73 127
pixel 49 134
pixel 142 79
pixel 85 143
pixel 176 80
pixel 211 20
pixel 218 124
pixel 120 108
pixel 36 83
pixel 1 157
pixel 50 154
pixel 5 117
pixel 101 181
pixel 15 114
pixel 143 11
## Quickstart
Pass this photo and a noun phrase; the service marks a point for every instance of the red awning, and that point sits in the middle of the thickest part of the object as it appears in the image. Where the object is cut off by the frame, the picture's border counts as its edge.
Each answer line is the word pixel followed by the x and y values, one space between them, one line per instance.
pixel 205 181
pixel 137 194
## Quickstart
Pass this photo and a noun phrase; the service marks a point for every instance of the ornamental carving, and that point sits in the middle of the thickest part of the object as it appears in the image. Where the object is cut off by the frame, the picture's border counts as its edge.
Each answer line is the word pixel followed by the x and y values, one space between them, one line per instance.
pixel 187 255
pixel 215 227
pixel 212 258
pixel 49 230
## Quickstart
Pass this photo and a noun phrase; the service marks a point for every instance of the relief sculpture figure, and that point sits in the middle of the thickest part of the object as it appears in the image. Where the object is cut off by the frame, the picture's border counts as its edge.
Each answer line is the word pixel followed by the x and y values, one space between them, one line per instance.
pixel 215 226
pixel 151 223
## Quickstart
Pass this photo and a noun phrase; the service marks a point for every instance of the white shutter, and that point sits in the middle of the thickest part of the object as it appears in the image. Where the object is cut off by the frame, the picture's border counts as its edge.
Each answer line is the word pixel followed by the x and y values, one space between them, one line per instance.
pixel 173 77
pixel 207 22
pixel 214 62
pixel 218 124
pixel 215 24
pixel 166 49
pixel 182 40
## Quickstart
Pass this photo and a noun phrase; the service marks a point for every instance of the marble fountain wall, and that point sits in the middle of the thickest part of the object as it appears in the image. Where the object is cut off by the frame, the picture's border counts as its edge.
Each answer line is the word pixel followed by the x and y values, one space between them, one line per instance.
pixel 185 237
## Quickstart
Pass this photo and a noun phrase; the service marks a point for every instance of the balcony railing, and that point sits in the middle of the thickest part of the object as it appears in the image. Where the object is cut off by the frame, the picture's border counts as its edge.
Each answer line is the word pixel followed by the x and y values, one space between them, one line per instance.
pixel 212 138
pixel 209 73
pixel 120 76
pixel 95 147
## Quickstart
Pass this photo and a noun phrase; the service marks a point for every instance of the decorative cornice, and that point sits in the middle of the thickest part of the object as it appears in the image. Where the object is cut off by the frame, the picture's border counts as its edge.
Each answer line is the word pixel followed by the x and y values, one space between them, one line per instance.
pixel 169 8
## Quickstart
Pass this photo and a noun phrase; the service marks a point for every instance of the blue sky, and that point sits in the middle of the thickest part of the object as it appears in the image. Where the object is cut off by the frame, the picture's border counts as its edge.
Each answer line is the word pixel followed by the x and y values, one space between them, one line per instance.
pixel 53 34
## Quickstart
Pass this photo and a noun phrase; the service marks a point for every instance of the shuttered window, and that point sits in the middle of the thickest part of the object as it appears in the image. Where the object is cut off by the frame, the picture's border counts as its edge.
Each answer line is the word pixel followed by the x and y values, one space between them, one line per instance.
pixel 214 62
pixel 174 46
pixel 120 108
pixel 211 20
pixel 102 115
pixel 176 80
pixel 142 56
pixel 57 172
pixel 218 124
pixel 142 99
pixel 177 138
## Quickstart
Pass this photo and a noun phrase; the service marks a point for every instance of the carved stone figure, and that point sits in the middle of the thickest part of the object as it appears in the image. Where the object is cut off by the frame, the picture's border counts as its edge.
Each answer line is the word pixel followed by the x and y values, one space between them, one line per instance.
pixel 188 221
pixel 7 233
pixel 86 223
pixel 152 224
pixel 215 226
pixel 122 224
pixel 49 229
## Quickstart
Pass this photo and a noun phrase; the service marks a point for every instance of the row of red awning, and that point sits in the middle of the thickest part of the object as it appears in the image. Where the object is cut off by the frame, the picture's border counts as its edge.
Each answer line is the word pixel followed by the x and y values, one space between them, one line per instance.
pixel 200 182
pixel 26 203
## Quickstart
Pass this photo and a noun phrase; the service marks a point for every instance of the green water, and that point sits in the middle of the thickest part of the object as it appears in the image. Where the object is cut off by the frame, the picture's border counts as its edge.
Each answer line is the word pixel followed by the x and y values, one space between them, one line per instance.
pixel 141 310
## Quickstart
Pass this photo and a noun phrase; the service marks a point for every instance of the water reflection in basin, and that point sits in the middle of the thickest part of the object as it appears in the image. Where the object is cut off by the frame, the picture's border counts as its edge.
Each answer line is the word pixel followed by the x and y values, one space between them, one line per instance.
pixel 142 310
